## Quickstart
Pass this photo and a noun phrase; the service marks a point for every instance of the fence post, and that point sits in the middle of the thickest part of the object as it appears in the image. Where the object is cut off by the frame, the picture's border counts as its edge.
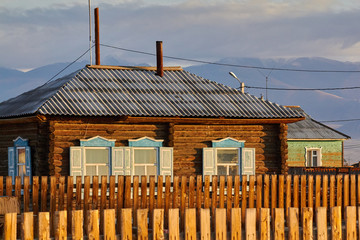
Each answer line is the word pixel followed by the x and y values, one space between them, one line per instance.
pixel 279 226
pixel 293 224
pixel 126 224
pixel 44 225
pixel 236 223
pixel 250 224
pixel 205 232
pixel 220 229
pixel 27 225
pixel 60 225
pixel 350 222
pixel 109 224
pixel 190 224
pixel 10 226
pixel 174 233
pixel 77 219
pixel 336 230
pixel 158 224
pixel 142 223
pixel 265 223
pixel 307 223
pixel 321 223
pixel 92 227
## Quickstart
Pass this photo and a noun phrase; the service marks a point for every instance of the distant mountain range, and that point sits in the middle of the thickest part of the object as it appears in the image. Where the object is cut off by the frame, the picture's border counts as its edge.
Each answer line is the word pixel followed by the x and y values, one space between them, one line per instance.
pixel 321 105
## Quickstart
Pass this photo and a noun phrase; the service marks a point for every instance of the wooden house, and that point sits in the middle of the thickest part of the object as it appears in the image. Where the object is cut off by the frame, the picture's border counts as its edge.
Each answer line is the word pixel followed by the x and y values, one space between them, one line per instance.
pixel 128 120
pixel 313 144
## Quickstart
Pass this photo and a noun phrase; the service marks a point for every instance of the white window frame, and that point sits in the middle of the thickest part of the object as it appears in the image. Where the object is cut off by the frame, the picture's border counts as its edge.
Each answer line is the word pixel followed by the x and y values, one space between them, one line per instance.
pixel 308 162
pixel 227 164
pixel 98 164
pixel 145 164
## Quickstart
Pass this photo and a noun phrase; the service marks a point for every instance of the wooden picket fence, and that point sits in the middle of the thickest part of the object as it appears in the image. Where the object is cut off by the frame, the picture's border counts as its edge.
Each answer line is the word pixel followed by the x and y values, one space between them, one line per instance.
pixel 50 194
pixel 311 225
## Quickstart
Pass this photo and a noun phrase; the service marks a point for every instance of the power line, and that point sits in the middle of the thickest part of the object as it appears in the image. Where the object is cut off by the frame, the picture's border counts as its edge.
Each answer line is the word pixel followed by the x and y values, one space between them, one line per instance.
pixel 342 120
pixel 236 65
pixel 306 89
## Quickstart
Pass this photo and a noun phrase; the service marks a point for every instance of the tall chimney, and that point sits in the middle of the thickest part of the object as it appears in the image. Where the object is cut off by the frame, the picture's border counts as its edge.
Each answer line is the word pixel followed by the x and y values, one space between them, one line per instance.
pixel 97 37
pixel 159 59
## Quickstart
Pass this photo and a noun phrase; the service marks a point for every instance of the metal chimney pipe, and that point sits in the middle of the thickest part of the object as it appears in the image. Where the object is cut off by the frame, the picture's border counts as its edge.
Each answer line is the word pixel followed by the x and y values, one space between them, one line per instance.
pixel 159 59
pixel 97 37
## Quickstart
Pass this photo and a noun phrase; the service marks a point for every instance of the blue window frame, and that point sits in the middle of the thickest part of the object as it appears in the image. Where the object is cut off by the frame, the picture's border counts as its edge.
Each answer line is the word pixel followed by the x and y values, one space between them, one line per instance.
pixel 19 159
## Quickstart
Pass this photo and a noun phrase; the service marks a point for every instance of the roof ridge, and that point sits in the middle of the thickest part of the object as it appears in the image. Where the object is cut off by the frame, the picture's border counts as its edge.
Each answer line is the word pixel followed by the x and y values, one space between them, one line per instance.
pixel 147 68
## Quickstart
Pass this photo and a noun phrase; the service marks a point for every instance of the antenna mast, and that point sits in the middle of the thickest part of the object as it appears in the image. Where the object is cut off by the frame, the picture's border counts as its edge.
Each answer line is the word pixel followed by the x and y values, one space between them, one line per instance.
pixel 90 32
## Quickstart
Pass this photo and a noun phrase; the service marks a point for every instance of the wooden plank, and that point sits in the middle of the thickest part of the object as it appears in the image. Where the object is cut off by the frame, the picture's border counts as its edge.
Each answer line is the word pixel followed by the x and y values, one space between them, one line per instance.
pixel 109 224
pixel 92 227
pixel 77 224
pixel 69 200
pixel 339 188
pixel 288 195
pixel 190 224
pixel 250 224
pixel 119 201
pixel 143 192
pixel 127 201
pixel 135 192
pixel 167 198
pixel 237 190
pixel 293 224
pixel 358 190
pixel 303 193
pixel 281 191
pixel 222 192
pixel 264 224
pixel 279 227
pixel 266 191
pixel 18 188
pixel 214 199
pixel 358 220
pixel 1 185
pixel 112 192
pixel 27 223
pixel 296 191
pixel 78 193
pixel 325 191
pixel 151 198
pixel 26 193
pixel 350 222
pixel 273 193
pixel 87 202
pixel 321 223
pixel 317 191
pixel 158 224
pixel 61 204
pixel 206 191
pixel 229 189
pixel 220 219
pixel 44 226
pixel 307 223
pixel 9 186
pixel 35 195
pixel 235 224
pixel 335 215
pixel 103 202
pixel 244 197
pixel 44 189
pixel 353 190
pixel 53 195
pixel 142 224
pixel 346 190
pixel 332 191
pixel 60 225
pixel 198 200
pixel 205 231
pixel 126 225
pixel 191 192
pixel 310 191
pixel 160 183
pixel 252 191
pixel 95 192
pixel 183 200
pixel 174 230
pixel 175 193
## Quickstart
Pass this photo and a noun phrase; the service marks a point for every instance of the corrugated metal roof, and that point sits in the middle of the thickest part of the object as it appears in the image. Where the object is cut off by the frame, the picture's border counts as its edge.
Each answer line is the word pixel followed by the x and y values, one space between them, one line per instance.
pixel 311 129
pixel 139 92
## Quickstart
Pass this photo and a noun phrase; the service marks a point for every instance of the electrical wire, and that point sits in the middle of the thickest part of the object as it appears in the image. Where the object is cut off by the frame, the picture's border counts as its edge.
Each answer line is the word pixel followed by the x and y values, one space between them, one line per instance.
pixel 306 89
pixel 235 65
pixel 342 120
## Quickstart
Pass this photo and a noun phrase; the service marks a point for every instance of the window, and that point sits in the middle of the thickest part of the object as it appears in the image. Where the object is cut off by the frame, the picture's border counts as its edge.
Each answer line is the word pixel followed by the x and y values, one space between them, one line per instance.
pixel 313 157
pixel 19 159
pixel 228 157
pixel 99 156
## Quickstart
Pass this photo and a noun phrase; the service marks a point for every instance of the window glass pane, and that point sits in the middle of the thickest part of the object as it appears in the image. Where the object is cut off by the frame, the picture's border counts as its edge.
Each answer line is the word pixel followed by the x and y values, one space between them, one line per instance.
pixel 233 170
pixel 308 163
pixel 227 156
pixel 221 170
pixel 140 170
pixel 97 155
pixel 145 155
pixel 151 170
pixel 314 164
pixel 103 170
pixel 21 170
pixel 21 155
pixel 91 170
pixel 315 153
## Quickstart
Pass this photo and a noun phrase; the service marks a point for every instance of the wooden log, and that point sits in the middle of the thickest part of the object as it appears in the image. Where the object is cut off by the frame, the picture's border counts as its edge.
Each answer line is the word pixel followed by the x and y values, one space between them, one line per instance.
pixel 174 230
pixel 205 230
pixel 109 224
pixel 190 224
pixel 293 224
pixel 279 227
pixel 235 224
pixel 336 230
pixel 265 224
pixel 250 224
pixel 220 230
pixel 158 224
pixel 321 223
pixel 350 222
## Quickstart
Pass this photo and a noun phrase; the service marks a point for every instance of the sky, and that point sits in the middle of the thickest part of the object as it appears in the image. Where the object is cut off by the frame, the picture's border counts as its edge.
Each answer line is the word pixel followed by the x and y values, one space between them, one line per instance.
pixel 34 33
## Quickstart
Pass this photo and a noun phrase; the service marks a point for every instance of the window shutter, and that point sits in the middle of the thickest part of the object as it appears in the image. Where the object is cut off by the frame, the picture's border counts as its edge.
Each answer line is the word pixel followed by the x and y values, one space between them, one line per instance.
pixel 166 161
pixel 128 161
pixel 209 164
pixel 76 162
pixel 248 161
pixel 28 162
pixel 120 164
pixel 11 163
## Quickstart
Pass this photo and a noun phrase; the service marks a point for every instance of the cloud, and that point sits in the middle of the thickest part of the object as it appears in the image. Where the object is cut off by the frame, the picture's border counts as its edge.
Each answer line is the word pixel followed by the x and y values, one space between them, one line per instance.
pixel 191 29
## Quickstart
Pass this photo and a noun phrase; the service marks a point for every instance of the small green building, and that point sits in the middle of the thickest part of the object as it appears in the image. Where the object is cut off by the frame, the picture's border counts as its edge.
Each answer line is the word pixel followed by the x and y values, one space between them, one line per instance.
pixel 313 144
